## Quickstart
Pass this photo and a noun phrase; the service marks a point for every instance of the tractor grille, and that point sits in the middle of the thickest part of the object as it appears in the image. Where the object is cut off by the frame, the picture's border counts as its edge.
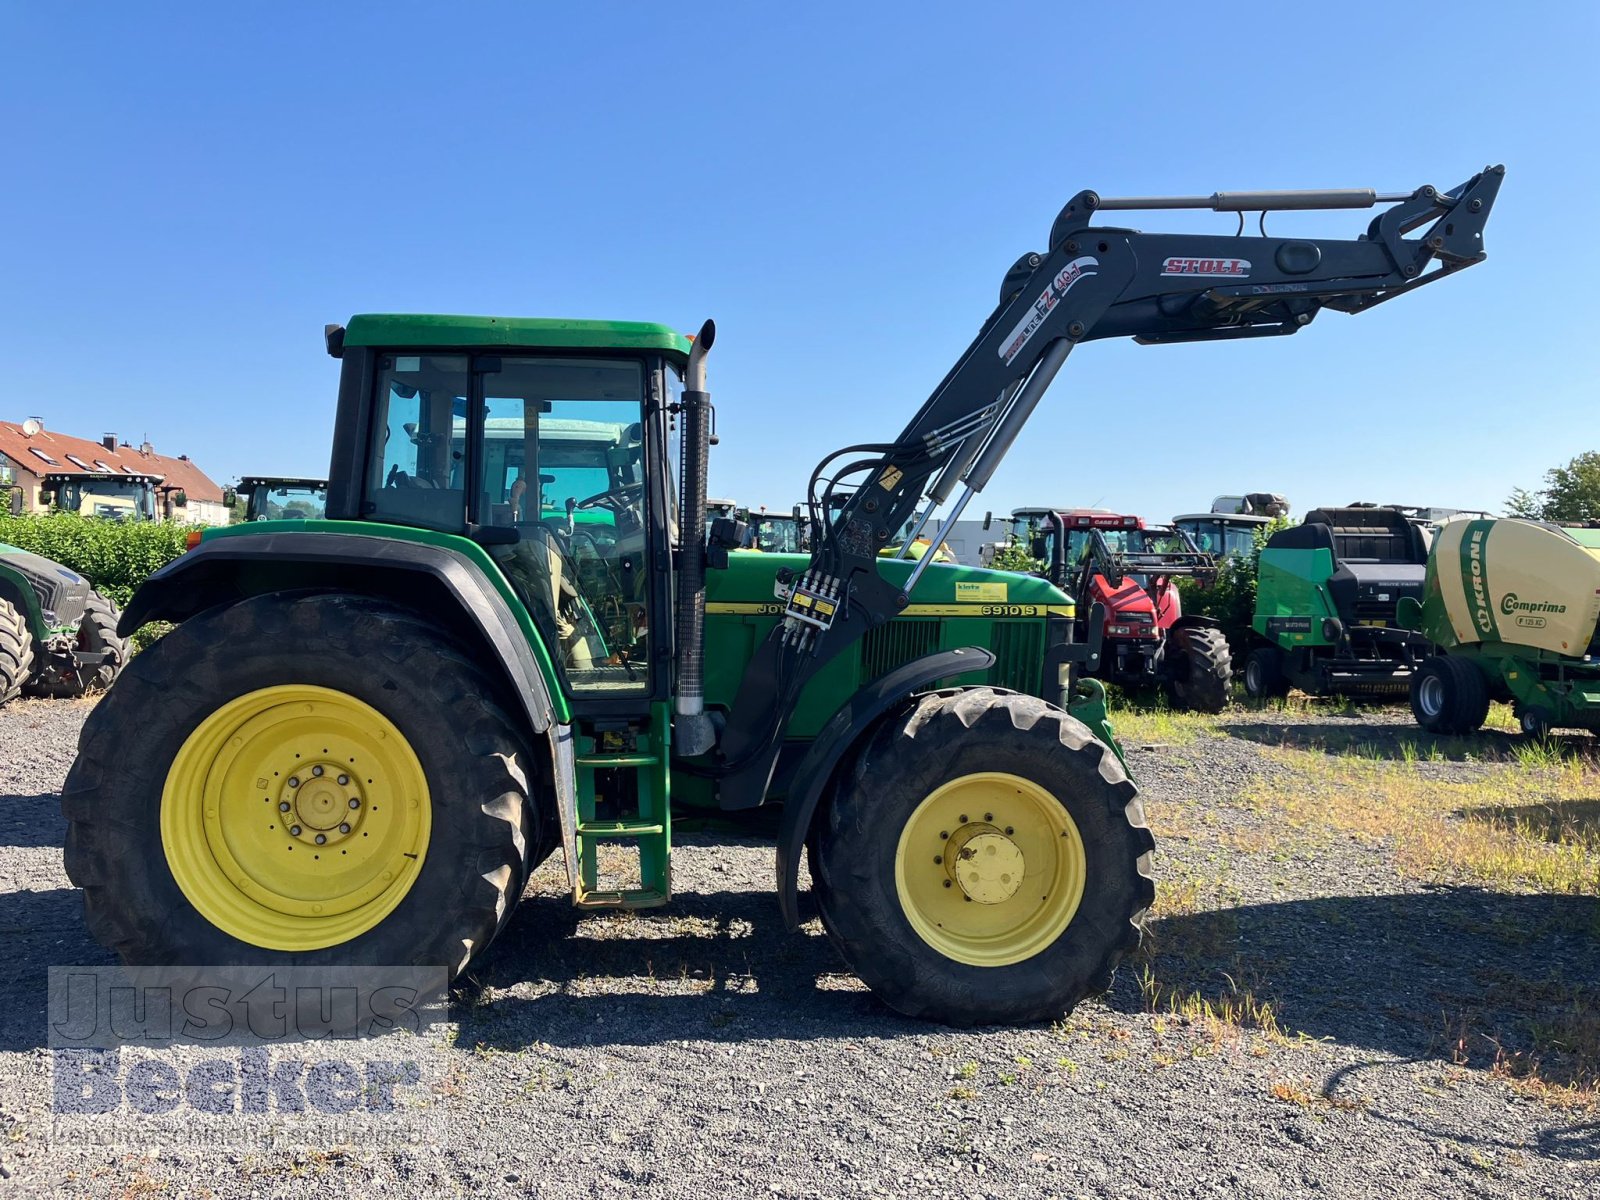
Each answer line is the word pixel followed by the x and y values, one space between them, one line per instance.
pixel 898 642
pixel 1018 651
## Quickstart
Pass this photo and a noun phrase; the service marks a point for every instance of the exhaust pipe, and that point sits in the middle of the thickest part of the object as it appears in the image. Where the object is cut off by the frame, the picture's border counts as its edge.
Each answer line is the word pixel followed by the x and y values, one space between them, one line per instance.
pixel 692 729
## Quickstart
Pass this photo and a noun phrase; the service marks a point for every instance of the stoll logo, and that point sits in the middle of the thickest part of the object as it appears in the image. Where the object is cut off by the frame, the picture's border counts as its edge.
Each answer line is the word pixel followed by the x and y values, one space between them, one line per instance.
pixel 1511 603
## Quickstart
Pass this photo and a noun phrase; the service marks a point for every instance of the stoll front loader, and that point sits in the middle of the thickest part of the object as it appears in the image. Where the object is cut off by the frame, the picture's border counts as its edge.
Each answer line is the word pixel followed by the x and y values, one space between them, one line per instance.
pixel 366 731
pixel 1513 606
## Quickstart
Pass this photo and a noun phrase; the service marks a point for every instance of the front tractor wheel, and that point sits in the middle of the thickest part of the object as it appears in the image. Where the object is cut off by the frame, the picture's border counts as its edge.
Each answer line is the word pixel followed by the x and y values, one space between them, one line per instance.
pixel 984 860
pixel 317 779
pixel 1199 668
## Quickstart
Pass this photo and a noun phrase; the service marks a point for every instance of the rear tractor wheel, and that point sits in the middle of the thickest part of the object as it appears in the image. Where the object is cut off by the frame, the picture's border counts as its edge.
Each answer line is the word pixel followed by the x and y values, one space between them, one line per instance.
pixel 984 859
pixel 16 650
pixel 313 779
pixel 1199 668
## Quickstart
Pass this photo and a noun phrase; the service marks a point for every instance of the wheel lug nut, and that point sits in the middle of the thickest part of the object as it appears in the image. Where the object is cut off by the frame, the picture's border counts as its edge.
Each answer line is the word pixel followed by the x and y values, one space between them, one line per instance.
pixel 944 836
pixel 322 839
pixel 1009 831
pixel 938 858
pixel 283 806
pixel 343 779
pixel 294 781
pixel 344 828
pixel 988 816
pixel 295 829
pixel 316 770
pixel 963 818
pixel 947 883
pixel 354 803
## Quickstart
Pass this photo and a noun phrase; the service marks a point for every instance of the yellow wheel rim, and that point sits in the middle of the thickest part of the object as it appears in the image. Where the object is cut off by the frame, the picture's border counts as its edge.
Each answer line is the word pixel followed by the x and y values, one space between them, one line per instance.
pixel 295 817
pixel 990 869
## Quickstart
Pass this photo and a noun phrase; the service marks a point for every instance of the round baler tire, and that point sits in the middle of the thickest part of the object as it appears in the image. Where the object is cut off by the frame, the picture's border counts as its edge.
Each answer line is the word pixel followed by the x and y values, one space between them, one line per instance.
pixel 16 650
pixel 1263 674
pixel 947 737
pixel 1198 680
pixel 475 759
pixel 1449 696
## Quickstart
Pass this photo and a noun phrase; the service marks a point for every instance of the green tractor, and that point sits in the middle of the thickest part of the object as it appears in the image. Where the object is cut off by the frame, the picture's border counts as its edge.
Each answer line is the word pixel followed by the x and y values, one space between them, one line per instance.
pixel 1514 607
pixel 58 636
pixel 1326 600
pixel 281 498
pixel 513 635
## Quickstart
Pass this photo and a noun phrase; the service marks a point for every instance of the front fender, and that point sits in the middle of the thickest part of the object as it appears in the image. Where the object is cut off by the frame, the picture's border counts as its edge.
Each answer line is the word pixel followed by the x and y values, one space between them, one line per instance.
pixel 843 730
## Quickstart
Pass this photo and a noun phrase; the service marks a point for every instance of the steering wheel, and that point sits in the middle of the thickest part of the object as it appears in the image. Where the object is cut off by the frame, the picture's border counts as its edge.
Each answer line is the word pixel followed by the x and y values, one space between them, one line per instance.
pixel 626 496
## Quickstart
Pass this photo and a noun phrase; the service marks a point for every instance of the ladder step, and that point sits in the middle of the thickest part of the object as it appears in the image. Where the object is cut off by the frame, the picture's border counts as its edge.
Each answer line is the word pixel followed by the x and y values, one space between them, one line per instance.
pixel 617 760
pixel 621 829
pixel 630 898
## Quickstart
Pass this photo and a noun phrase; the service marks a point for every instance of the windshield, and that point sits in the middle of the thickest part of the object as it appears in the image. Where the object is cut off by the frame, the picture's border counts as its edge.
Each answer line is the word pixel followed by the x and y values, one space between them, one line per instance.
pixel 109 498
pixel 1221 538
pixel 269 503
pixel 777 535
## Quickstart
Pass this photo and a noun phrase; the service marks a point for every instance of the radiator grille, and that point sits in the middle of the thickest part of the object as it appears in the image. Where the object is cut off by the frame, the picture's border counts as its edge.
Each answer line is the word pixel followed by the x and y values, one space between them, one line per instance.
pixel 1018 653
pixel 898 642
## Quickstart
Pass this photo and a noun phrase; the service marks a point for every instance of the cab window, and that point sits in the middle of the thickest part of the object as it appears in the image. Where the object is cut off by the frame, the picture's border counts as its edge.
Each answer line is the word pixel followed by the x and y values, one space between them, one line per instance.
pixel 418 463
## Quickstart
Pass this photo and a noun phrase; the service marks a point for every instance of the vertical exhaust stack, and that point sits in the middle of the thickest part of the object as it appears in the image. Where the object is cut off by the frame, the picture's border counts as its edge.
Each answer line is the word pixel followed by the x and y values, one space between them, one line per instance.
pixel 692 730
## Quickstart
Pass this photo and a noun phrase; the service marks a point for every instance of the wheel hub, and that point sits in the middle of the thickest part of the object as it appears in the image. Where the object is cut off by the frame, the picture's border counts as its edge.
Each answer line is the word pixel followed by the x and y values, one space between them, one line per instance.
pixel 984 863
pixel 322 804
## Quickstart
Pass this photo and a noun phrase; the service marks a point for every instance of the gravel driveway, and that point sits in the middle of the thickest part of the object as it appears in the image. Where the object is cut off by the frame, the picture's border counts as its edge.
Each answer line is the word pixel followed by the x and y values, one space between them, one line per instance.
pixel 701 1050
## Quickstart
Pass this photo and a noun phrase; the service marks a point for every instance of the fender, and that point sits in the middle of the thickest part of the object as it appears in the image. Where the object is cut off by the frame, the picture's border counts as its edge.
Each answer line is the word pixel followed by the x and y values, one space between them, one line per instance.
pixel 1205 622
pixel 444 580
pixel 852 719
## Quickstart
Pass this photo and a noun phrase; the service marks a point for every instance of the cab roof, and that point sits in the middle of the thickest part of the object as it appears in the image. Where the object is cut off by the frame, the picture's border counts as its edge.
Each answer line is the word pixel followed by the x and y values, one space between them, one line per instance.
pixel 530 333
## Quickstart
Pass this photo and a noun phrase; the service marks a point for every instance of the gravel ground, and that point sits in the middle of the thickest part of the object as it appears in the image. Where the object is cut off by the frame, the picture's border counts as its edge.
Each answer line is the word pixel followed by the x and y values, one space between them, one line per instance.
pixel 701 1049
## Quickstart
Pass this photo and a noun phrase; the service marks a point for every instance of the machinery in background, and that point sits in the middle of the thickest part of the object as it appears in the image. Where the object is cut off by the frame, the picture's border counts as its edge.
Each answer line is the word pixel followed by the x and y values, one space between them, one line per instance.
pixel 283 498
pixel 1514 609
pixel 58 636
pixel 1229 530
pixel 1326 599
pixel 1123 575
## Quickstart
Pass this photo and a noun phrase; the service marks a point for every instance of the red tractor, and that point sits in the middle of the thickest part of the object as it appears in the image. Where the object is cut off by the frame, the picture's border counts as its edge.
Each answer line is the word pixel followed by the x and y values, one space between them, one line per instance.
pixel 1123 574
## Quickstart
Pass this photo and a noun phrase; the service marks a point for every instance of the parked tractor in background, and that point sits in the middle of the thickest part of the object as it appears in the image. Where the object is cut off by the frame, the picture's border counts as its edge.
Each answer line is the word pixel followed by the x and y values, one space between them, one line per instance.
pixel 503 642
pixel 58 636
pixel 1229 530
pixel 1326 599
pixel 109 495
pixel 282 498
pixel 1123 574
pixel 1514 609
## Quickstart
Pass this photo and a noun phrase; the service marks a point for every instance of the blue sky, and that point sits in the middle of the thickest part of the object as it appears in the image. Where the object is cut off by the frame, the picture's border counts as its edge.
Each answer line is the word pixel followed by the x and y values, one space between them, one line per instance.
pixel 189 192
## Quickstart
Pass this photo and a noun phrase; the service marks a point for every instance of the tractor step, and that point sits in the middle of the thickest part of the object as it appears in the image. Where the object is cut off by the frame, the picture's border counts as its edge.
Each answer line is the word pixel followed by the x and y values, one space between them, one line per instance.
pixel 632 786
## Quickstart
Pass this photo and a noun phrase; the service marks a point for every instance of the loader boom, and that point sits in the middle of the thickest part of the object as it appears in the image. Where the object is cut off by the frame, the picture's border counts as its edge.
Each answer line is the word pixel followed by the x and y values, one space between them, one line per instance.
pixel 1093 282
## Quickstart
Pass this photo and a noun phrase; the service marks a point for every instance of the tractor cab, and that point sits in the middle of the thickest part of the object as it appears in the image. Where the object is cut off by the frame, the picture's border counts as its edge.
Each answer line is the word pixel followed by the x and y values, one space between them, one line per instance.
pixel 109 495
pixel 281 498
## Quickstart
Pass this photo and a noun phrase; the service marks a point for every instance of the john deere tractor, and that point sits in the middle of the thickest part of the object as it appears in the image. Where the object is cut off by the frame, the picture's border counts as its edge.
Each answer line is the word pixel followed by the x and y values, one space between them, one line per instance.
pixel 1514 608
pixel 58 636
pixel 512 636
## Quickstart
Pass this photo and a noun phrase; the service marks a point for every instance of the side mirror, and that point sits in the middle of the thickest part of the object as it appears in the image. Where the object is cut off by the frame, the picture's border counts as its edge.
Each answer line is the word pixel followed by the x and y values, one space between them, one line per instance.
pixel 988 519
pixel 180 498
pixel 16 500
pixel 1037 547
pixel 230 497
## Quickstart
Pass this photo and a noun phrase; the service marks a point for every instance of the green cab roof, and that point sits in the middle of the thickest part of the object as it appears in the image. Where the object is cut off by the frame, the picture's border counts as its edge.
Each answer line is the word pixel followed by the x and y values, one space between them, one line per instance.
pixel 532 333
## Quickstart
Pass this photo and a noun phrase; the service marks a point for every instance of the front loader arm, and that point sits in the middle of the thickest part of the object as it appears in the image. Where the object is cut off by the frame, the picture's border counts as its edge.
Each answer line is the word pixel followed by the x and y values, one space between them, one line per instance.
pixel 1094 282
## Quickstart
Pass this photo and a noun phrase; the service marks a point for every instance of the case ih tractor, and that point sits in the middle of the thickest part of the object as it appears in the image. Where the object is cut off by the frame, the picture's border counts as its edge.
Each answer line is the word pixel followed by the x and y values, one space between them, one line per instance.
pixel 1124 574
pixel 513 637
pixel 58 636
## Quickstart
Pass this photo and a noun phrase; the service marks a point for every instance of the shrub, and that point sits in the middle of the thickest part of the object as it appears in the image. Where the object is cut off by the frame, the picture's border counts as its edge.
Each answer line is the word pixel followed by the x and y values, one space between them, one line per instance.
pixel 1231 598
pixel 115 557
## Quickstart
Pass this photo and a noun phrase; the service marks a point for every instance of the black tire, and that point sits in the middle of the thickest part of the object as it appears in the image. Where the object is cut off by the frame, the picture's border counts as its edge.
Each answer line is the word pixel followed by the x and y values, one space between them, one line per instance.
pixel 16 650
pixel 945 736
pixel 1535 723
pixel 97 633
pixel 1263 674
pixel 1449 696
pixel 477 761
pixel 1199 668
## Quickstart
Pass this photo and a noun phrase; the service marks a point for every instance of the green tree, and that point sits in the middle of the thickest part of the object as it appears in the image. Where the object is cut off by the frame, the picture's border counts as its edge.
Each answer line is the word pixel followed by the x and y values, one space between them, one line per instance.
pixel 1014 556
pixel 1570 493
